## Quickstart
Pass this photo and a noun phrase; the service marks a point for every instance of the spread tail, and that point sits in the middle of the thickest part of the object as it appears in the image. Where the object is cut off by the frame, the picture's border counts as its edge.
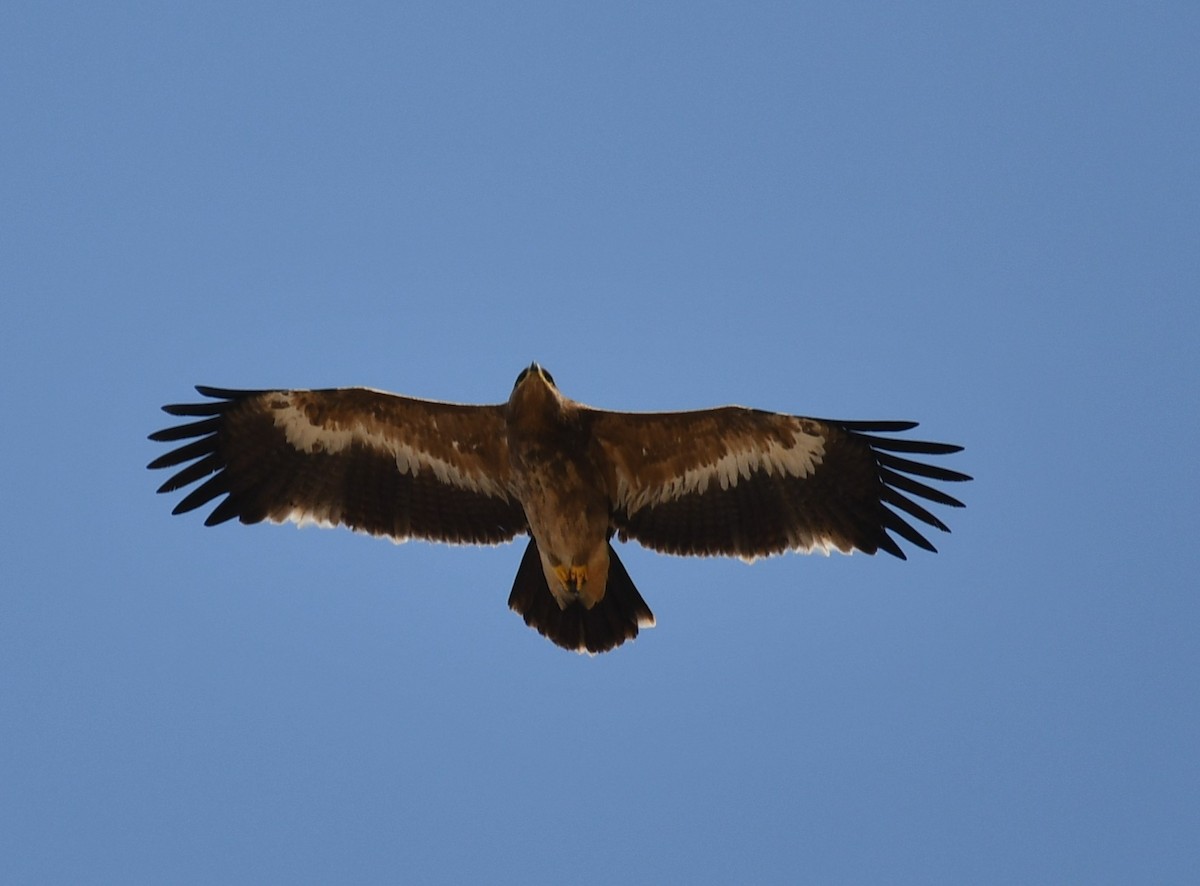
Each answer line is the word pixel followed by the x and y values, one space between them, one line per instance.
pixel 608 624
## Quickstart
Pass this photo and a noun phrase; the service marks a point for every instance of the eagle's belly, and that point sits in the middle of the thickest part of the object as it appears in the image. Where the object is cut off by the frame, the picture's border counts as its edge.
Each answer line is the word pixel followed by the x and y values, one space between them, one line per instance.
pixel 567 514
pixel 568 517
pixel 561 526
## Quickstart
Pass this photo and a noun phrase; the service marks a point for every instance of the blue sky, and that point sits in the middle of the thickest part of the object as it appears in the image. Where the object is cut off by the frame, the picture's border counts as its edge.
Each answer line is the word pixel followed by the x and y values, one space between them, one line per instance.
pixel 982 217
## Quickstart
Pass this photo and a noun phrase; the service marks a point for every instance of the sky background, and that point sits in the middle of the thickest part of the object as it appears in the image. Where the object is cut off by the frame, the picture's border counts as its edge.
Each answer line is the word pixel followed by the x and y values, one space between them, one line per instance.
pixel 985 217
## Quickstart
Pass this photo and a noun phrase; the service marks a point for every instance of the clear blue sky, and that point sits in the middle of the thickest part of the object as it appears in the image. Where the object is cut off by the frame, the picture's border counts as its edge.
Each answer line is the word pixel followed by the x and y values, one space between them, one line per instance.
pixel 985 217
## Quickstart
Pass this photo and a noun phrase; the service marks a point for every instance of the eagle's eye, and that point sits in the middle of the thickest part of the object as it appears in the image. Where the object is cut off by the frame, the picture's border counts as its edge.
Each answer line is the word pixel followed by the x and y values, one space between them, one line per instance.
pixel 550 378
pixel 521 377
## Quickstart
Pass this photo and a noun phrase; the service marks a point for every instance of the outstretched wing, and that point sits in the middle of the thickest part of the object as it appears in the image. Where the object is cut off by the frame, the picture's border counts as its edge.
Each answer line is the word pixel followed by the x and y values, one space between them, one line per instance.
pixel 372 461
pixel 747 483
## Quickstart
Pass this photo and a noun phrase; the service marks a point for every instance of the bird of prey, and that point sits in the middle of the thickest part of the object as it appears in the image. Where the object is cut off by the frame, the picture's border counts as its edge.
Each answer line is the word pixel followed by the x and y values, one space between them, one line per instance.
pixel 728 481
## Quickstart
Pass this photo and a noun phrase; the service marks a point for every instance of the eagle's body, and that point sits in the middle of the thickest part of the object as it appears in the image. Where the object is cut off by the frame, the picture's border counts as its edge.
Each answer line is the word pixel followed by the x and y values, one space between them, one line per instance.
pixel 729 481
pixel 559 479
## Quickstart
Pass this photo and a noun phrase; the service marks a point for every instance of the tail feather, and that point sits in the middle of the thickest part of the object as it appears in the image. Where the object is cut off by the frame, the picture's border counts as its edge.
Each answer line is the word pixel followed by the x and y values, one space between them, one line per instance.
pixel 608 624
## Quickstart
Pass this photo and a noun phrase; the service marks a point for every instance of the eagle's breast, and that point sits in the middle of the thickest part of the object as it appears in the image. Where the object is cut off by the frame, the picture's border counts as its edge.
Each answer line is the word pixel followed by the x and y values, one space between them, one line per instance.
pixel 552 463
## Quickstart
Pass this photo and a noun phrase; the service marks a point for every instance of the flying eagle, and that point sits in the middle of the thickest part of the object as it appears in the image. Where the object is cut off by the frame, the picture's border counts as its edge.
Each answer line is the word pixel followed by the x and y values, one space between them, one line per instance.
pixel 730 481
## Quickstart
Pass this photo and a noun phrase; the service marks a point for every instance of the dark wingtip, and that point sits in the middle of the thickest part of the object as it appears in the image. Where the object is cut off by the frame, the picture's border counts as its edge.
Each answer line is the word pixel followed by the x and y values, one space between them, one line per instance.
pixel 868 427
pixel 227 393
pixel 194 409
pixel 897 476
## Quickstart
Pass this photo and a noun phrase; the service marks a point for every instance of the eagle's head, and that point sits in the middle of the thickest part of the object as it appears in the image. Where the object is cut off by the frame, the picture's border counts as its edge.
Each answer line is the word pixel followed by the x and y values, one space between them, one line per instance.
pixel 533 373
pixel 535 394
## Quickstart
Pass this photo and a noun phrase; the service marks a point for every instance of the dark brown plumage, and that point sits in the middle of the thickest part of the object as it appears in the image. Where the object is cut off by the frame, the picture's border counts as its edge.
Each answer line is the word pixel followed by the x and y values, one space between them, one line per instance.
pixel 728 481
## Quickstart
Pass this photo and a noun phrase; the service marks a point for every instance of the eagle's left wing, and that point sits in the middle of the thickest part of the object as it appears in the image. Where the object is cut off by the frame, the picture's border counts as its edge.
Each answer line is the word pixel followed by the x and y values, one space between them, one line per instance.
pixel 372 461
pixel 747 483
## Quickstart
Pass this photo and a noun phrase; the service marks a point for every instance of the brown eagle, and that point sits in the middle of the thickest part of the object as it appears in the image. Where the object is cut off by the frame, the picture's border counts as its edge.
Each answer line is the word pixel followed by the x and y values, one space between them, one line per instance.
pixel 730 481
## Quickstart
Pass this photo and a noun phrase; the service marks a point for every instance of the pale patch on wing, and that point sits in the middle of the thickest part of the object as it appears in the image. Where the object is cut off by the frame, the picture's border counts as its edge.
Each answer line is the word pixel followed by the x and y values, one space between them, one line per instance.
pixel 804 543
pixel 312 438
pixel 800 543
pixel 309 517
pixel 796 547
pixel 332 518
pixel 744 457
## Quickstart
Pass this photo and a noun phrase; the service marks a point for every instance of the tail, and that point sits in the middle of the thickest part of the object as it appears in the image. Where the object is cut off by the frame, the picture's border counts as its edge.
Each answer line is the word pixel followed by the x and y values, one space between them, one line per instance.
pixel 608 624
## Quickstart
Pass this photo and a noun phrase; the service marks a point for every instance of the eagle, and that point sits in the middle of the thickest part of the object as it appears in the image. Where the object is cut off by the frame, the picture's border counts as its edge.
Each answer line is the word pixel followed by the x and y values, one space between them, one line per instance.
pixel 729 481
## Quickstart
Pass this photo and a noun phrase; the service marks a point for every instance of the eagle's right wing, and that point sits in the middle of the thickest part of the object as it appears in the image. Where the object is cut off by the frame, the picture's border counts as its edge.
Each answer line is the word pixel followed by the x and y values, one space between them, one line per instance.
pixel 372 461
